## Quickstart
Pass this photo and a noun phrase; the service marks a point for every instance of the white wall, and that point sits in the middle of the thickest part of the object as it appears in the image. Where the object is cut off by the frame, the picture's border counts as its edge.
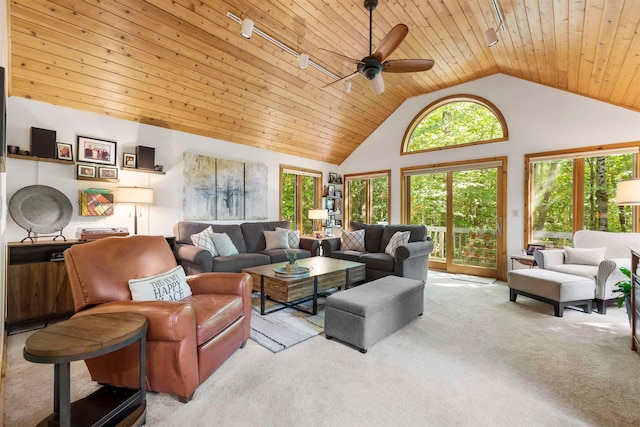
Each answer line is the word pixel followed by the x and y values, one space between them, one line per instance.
pixel 539 119
pixel 170 146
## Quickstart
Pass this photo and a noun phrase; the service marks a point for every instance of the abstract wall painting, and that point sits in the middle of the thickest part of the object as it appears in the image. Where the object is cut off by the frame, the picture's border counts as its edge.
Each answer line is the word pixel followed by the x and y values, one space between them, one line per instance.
pixel 255 191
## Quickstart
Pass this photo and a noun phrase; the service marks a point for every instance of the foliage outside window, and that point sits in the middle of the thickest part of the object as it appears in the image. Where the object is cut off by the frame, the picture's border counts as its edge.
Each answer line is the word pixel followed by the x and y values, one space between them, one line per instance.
pixel 367 197
pixel 577 192
pixel 455 121
pixel 299 192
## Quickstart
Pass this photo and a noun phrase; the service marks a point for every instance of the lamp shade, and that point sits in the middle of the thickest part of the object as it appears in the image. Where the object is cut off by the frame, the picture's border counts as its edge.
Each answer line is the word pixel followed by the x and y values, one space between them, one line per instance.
pixel 628 192
pixel 134 195
pixel 318 214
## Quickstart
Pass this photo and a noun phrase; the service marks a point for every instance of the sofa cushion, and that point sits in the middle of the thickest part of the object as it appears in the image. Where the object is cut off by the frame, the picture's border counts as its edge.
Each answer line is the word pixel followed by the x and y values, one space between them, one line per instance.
pixel 418 234
pixel 584 256
pixel 378 261
pixel 588 271
pixel 352 240
pixel 279 255
pixel 347 255
pixel 168 286
pixel 235 234
pixel 276 239
pixel 214 313
pixel 224 245
pixel 372 235
pixel 294 237
pixel 400 238
pixel 204 240
pixel 253 236
pixel 235 263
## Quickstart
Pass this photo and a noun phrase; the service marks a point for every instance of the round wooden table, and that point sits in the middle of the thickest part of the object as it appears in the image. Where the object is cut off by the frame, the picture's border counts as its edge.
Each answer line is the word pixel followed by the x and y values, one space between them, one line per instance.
pixel 83 338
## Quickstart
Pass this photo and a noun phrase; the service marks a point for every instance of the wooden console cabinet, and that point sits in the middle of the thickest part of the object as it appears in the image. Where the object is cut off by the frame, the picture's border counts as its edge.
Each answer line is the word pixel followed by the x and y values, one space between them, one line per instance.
pixel 37 285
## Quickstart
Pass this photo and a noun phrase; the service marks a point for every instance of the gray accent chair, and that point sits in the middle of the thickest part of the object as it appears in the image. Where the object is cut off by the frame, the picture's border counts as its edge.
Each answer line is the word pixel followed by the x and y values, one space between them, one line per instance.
pixel 607 273
pixel 411 260
pixel 247 237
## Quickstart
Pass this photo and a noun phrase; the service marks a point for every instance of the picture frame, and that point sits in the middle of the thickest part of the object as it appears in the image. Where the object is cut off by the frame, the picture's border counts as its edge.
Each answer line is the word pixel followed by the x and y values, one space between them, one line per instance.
pixel 333 177
pixel 338 193
pixel 86 171
pixel 338 223
pixel 64 151
pixel 531 248
pixel 332 190
pixel 94 150
pixel 107 173
pixel 328 232
pixel 129 160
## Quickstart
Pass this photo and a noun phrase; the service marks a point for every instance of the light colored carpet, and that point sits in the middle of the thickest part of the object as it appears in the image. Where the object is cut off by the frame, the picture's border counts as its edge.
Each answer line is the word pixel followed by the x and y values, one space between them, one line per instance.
pixel 472 359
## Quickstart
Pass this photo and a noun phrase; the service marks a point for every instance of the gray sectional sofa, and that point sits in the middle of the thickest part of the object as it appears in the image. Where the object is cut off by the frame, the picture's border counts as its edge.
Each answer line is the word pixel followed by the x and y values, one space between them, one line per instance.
pixel 411 260
pixel 248 239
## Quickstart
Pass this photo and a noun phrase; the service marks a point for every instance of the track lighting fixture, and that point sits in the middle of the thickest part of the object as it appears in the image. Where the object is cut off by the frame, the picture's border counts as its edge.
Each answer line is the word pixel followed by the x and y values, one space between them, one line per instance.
pixel 247 28
pixel 304 61
pixel 490 36
pixel 347 87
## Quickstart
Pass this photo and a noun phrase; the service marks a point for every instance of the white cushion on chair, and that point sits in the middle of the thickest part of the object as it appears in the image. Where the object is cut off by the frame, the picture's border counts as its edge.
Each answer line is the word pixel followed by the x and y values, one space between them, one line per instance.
pixel 584 256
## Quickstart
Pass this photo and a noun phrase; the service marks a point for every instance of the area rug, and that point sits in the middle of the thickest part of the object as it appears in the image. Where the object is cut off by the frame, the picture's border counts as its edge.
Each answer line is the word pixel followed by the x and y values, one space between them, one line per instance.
pixel 287 327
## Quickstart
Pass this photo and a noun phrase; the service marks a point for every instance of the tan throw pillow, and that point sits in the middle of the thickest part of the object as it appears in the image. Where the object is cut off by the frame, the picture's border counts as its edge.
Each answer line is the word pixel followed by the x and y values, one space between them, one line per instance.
pixel 169 286
pixel 294 237
pixel 224 245
pixel 399 238
pixel 204 239
pixel 352 241
pixel 584 256
pixel 277 239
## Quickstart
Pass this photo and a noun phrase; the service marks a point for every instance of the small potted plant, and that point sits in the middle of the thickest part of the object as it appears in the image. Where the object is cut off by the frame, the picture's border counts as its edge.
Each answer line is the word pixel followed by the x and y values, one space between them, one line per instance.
pixel 623 288
pixel 291 266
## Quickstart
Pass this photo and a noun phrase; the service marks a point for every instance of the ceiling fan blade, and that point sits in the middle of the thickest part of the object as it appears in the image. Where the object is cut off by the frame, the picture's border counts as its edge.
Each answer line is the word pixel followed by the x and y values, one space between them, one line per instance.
pixel 339 56
pixel 407 65
pixel 344 79
pixel 377 84
pixel 390 42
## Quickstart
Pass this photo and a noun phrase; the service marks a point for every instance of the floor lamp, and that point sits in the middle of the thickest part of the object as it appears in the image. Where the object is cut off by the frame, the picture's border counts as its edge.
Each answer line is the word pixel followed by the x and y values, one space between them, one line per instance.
pixel 318 214
pixel 135 195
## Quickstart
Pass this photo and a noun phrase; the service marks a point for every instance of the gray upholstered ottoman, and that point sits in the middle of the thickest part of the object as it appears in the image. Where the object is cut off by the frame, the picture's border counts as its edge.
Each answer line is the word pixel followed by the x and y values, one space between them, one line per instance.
pixel 558 289
pixel 363 315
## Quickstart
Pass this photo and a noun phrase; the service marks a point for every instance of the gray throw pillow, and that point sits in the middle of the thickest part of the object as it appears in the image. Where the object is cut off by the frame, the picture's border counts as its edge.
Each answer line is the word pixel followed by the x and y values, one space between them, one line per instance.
pixel 277 239
pixel 224 245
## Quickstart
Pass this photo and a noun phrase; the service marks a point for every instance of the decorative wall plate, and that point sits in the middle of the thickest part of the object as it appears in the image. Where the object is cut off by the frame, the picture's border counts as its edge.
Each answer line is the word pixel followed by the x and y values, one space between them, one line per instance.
pixel 40 209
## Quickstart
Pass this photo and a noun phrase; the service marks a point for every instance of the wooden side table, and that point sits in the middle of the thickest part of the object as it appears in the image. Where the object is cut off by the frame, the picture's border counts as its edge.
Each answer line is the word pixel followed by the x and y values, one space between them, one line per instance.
pixel 527 260
pixel 83 338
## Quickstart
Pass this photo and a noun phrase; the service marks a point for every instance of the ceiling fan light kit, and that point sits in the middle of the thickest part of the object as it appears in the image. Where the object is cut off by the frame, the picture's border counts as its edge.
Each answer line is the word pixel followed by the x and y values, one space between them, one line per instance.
pixel 376 63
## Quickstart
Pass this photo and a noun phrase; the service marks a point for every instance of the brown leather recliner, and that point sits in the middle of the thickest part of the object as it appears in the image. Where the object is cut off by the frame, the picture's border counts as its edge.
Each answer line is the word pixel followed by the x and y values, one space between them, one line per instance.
pixel 187 340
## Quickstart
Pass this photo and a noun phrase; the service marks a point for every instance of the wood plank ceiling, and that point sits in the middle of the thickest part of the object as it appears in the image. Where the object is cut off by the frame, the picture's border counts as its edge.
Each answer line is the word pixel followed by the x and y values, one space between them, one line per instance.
pixel 183 65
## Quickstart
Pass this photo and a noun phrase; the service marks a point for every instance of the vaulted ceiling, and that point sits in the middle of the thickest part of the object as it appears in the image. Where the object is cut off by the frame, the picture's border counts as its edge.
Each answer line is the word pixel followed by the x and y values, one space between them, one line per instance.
pixel 183 65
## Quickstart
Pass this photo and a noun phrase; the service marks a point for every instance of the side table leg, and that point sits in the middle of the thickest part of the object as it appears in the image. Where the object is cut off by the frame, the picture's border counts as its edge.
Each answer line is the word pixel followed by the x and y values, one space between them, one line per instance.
pixel 315 294
pixel 62 393
pixel 262 296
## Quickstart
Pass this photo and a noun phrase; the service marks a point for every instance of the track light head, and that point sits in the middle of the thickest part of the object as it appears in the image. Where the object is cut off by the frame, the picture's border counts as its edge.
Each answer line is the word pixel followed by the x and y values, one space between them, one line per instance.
pixel 491 37
pixel 247 28
pixel 303 58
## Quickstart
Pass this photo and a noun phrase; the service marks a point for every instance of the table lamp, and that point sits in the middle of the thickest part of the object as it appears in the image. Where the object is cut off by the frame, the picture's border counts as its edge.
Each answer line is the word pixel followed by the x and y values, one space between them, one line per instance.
pixel 318 214
pixel 134 195
pixel 628 192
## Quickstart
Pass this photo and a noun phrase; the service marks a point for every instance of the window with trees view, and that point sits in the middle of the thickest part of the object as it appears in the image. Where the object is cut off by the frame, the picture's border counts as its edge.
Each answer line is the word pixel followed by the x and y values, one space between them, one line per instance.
pixel 367 197
pixel 576 191
pixel 299 192
pixel 455 121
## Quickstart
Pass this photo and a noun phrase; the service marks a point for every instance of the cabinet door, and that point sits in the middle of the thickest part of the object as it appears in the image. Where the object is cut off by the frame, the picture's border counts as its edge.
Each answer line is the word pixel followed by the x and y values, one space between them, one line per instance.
pixel 37 290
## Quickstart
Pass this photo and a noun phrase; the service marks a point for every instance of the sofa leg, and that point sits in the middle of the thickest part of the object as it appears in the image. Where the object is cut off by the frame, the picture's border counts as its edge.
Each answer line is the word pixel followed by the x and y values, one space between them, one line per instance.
pixel 587 307
pixel 513 294
pixel 558 309
pixel 601 306
pixel 185 399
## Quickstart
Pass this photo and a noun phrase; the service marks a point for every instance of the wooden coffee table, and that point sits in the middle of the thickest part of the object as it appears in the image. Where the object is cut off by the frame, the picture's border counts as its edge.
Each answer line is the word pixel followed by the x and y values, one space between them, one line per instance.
pixel 326 273
pixel 83 338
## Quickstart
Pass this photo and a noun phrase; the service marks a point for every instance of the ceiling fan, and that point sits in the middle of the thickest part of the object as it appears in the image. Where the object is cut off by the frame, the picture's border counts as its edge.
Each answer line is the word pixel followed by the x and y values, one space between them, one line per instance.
pixel 373 65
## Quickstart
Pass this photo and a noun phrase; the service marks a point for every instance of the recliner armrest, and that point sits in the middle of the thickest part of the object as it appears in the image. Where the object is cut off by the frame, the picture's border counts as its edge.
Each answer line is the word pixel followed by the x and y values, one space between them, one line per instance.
pixel 167 320
pixel 413 249
pixel 330 245
pixel 312 245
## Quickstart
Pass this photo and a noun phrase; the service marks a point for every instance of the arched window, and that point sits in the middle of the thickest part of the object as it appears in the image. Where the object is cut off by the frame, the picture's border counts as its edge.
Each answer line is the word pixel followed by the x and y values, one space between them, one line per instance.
pixel 455 121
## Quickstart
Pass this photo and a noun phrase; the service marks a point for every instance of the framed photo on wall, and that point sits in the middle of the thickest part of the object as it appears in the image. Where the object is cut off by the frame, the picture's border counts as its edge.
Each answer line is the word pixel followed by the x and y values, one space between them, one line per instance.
pixel 64 151
pixel 86 171
pixel 108 173
pixel 129 160
pixel 94 150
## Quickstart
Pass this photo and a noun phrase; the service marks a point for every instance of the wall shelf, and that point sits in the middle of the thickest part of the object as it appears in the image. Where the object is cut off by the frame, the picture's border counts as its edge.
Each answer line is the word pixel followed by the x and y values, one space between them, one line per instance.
pixel 86 178
pixel 40 159
pixel 143 170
